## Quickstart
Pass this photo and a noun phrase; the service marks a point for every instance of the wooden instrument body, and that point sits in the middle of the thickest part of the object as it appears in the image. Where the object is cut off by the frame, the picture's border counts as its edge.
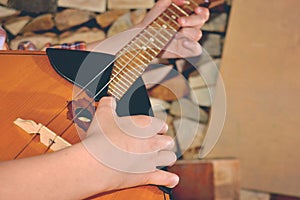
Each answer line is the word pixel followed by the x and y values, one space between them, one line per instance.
pixel 31 89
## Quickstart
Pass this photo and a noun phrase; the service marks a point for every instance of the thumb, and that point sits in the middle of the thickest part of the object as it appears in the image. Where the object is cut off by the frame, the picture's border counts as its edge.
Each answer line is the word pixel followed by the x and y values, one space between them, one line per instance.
pixel 164 178
pixel 107 103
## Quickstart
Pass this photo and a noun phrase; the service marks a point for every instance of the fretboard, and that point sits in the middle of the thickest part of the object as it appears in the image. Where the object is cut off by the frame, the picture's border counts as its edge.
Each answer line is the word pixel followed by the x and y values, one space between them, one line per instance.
pixel 132 60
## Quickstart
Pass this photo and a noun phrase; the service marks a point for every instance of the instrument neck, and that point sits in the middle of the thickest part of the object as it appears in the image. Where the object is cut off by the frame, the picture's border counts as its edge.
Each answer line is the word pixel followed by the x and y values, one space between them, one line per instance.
pixel 134 57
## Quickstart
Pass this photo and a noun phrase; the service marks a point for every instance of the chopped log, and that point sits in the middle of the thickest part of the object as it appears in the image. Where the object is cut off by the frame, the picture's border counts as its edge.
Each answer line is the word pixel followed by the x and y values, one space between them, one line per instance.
pixel 39 40
pixel 212 44
pixel 170 90
pixel 90 5
pixel 5 13
pixel 84 34
pixel 138 15
pixel 4 2
pixel 208 70
pixel 202 96
pixel 125 4
pixel 261 126
pixel 35 6
pixel 158 104
pixel 190 135
pixel 254 195
pixel 217 23
pixel 14 26
pixel 196 82
pixel 186 108
pixel 156 74
pixel 40 23
pixel 207 179
pixel 72 17
pixel 121 24
pixel 107 18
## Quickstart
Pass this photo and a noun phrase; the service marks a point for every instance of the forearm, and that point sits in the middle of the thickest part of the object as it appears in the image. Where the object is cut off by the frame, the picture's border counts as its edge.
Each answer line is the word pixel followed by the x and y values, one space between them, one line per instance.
pixel 68 174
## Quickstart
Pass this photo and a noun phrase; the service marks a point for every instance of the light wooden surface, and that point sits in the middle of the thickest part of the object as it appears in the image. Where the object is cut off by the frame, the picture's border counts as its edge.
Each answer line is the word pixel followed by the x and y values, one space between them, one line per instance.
pixel 261 71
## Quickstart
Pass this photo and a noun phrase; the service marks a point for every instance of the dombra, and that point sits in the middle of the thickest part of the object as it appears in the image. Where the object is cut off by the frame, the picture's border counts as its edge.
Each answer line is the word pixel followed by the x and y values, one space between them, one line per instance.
pixel 37 93
pixel 32 90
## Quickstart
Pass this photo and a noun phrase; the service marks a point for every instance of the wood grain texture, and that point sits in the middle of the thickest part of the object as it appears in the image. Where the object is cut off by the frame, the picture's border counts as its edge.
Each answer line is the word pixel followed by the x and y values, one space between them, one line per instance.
pixel 260 69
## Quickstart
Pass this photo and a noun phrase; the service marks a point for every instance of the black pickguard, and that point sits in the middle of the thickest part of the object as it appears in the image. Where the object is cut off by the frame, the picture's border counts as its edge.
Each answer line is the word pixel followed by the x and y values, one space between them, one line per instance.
pixel 70 63
pixel 80 67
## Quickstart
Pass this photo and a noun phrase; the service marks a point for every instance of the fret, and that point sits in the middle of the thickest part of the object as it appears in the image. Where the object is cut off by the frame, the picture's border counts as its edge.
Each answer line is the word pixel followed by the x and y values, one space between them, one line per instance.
pixel 147 59
pixel 187 2
pixel 138 47
pixel 172 11
pixel 155 45
pixel 155 53
pixel 118 85
pixel 114 73
pixel 179 9
pixel 193 2
pixel 128 75
pixel 142 43
pixel 163 29
pixel 159 18
pixel 127 65
pixel 138 65
pixel 129 52
pixel 130 71
pixel 152 56
pixel 142 62
pixel 120 80
pixel 171 19
pixel 161 35
pixel 112 91
pixel 136 57
pixel 148 48
pixel 153 42
pixel 115 89
pixel 188 7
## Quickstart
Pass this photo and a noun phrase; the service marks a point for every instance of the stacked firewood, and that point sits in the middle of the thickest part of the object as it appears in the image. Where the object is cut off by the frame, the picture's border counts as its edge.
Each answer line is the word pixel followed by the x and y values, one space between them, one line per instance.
pixel 67 21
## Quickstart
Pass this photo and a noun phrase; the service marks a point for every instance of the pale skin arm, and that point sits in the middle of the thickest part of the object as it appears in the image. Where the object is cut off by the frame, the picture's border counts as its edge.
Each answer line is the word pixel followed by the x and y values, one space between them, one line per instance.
pixel 74 173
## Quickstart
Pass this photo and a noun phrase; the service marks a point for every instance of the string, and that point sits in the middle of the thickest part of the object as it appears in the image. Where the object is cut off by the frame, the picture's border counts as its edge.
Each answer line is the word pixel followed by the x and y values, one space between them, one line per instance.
pixel 83 89
pixel 114 76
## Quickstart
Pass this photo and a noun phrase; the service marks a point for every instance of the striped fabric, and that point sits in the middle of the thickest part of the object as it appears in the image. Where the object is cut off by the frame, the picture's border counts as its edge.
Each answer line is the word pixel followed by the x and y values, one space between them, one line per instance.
pixel 70 46
pixel 29 46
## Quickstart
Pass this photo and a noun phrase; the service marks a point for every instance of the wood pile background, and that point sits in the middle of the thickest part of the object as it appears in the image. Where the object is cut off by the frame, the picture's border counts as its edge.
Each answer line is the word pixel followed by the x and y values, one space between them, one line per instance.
pixel 67 21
